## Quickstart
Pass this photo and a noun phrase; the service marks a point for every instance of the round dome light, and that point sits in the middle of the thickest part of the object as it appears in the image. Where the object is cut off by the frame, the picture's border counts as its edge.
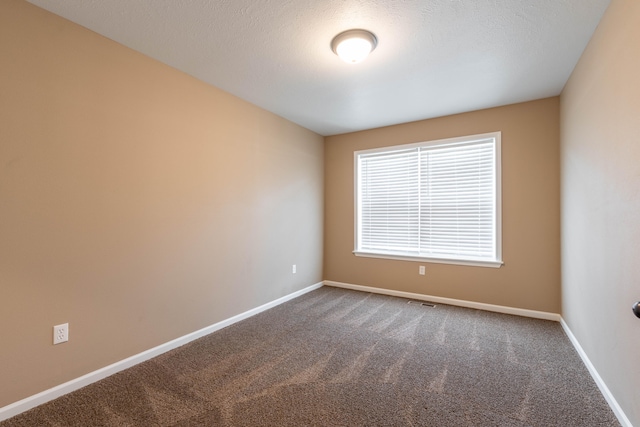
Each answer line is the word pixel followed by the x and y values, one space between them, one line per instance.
pixel 354 46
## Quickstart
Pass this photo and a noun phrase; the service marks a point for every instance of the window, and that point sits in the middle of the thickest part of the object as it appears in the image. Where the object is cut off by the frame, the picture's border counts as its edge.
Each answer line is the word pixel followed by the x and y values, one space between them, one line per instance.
pixel 437 201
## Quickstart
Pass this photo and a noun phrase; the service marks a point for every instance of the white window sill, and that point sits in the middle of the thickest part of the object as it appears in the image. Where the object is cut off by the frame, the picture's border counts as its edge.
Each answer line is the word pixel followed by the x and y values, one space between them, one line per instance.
pixel 467 262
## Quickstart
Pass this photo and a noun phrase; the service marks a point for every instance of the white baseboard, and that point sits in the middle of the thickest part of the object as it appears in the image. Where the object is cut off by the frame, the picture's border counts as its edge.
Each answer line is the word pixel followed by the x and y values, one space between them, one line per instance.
pixel 75 384
pixel 460 303
pixel 62 389
pixel 613 404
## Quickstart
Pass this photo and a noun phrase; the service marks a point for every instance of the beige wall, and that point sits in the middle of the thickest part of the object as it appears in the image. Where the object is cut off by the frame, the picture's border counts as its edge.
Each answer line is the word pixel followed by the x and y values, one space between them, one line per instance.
pixel 600 133
pixel 530 275
pixel 136 203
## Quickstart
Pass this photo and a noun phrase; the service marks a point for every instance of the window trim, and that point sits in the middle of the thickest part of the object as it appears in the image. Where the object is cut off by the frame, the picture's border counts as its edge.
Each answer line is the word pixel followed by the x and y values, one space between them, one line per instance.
pixel 497 136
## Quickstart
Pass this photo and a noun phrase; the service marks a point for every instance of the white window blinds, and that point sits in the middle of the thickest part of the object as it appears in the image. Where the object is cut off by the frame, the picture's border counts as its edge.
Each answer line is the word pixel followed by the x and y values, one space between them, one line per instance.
pixel 437 200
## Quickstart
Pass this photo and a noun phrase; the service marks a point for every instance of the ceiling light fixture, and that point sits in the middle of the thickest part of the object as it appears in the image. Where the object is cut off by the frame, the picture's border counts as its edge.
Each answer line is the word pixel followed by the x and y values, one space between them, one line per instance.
pixel 354 46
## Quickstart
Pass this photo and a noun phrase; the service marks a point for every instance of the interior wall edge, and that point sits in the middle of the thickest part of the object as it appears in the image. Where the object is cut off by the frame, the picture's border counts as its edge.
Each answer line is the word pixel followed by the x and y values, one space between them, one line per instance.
pixel 45 396
pixel 543 315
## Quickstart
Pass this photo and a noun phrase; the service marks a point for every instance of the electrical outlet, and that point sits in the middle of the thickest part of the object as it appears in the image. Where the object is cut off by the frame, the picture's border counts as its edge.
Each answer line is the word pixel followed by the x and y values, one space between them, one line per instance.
pixel 421 270
pixel 61 333
pixel 293 270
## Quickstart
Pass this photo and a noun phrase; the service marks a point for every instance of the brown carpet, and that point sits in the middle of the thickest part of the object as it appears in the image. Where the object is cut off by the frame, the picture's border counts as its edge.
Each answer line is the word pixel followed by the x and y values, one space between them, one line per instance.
pixel 335 357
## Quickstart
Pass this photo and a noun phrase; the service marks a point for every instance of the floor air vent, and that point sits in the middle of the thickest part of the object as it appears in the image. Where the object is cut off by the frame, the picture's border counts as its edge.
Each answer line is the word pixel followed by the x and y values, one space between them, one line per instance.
pixel 422 303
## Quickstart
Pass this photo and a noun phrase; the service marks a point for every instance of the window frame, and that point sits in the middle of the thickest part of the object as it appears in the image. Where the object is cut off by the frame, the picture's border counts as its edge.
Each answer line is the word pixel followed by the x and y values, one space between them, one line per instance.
pixel 455 260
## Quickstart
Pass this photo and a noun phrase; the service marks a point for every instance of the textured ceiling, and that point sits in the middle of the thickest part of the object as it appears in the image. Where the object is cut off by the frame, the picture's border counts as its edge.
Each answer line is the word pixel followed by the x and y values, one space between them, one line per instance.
pixel 434 57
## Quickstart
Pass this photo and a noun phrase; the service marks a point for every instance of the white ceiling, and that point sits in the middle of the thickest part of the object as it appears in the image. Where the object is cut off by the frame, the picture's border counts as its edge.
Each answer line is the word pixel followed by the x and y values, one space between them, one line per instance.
pixel 434 57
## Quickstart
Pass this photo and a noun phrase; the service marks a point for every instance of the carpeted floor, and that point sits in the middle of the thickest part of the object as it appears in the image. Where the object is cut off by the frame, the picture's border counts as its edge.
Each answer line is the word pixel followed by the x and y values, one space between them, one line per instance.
pixel 335 357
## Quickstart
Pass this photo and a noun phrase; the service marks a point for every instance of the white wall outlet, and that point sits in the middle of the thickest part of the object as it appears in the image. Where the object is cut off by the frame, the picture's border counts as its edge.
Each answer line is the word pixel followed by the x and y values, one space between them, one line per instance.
pixel 293 269
pixel 61 333
pixel 421 270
